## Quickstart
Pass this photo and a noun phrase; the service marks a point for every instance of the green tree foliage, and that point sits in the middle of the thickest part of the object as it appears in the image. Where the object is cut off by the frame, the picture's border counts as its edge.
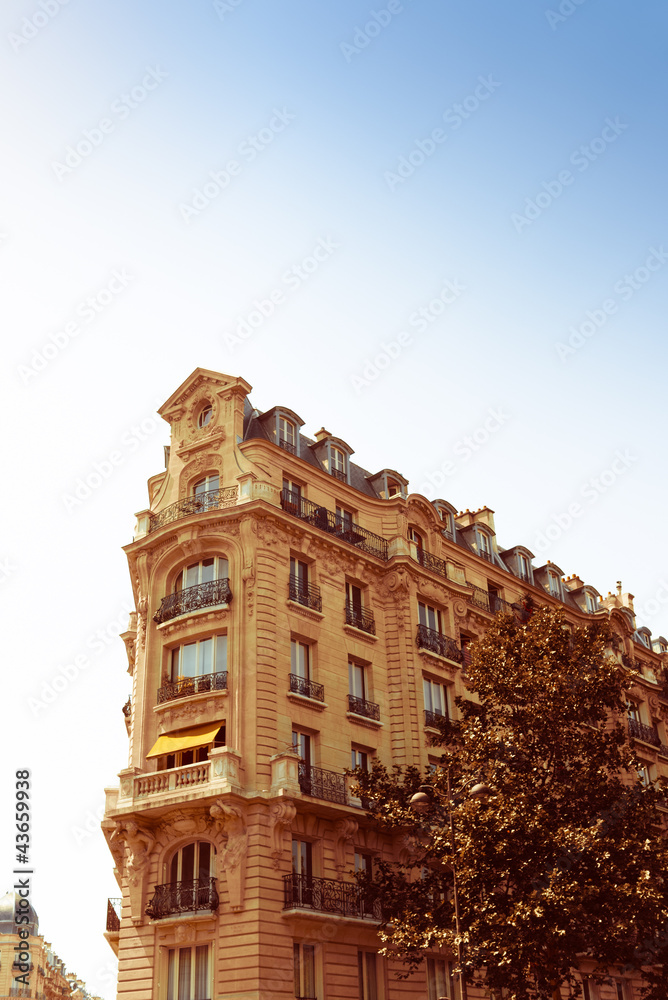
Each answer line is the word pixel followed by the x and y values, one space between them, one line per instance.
pixel 565 864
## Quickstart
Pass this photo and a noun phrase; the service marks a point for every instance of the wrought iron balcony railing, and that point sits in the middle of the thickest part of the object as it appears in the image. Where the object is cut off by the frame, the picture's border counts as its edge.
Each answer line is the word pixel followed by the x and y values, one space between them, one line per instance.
pixel 307 688
pixel 213 500
pixel 186 686
pixel 360 618
pixel 321 784
pixel 202 595
pixel 183 897
pixel 497 604
pixel 436 642
pixel 339 474
pixel 434 719
pixel 431 562
pixel 286 446
pixel 327 520
pixel 360 706
pixel 114 914
pixel 648 734
pixel 489 602
pixel 327 895
pixel 306 594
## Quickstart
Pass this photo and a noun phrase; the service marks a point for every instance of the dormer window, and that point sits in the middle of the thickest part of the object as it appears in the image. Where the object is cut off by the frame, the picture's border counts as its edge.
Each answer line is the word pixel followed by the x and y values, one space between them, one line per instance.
pixel 484 545
pixel 644 636
pixel 591 603
pixel 554 584
pixel 337 460
pixel 287 435
pixel 393 488
pixel 524 568
pixel 205 415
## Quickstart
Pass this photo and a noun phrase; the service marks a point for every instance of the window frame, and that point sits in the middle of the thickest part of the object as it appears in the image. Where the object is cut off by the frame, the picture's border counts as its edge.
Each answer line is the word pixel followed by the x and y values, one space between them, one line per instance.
pixel 174 991
pixel 305 967
pixel 218 667
pixel 428 684
pixel 201 422
pixel 437 617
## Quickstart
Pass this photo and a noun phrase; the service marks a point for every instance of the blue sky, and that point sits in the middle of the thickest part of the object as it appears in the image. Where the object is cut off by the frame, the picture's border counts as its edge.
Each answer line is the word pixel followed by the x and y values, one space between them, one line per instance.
pixel 407 310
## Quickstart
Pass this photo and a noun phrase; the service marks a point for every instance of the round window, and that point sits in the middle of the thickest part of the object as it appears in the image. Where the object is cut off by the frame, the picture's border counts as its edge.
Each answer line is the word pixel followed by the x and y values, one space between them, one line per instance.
pixel 205 416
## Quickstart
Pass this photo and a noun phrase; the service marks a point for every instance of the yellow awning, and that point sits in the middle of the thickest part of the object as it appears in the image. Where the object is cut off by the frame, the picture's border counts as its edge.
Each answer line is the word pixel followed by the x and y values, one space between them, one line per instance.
pixel 185 739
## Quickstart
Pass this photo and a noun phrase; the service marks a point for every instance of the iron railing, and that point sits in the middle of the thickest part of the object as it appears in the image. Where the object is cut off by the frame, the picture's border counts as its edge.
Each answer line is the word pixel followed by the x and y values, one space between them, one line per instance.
pixel 327 895
pixel 359 618
pixel 183 897
pixel 360 706
pixel 648 734
pixel 339 474
pixel 341 527
pixel 431 562
pixel 321 784
pixel 434 719
pixel 436 642
pixel 306 594
pixel 307 688
pixel 212 500
pixel 489 602
pixel 202 595
pixel 186 686
pixel 286 446
pixel 114 914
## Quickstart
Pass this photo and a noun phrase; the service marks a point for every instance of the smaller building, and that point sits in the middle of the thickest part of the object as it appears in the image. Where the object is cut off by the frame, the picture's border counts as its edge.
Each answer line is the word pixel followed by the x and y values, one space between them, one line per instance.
pixel 29 967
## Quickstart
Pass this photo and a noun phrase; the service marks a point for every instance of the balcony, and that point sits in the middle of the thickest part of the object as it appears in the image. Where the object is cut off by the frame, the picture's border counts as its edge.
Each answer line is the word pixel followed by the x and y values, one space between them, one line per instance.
pixel 339 474
pixel 489 602
pixel 359 618
pixel 431 562
pixel 183 897
pixel 648 734
pixel 342 528
pixel 202 595
pixel 213 500
pixel 287 446
pixel 306 594
pixel 114 914
pixel 327 785
pixel 360 706
pixel 175 779
pixel 435 642
pixel 327 895
pixel 434 719
pixel 185 686
pixel 306 688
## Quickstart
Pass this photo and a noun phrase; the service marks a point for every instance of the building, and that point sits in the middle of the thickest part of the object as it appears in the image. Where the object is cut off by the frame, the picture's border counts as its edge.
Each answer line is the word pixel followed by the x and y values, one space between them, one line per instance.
pixel 296 615
pixel 46 974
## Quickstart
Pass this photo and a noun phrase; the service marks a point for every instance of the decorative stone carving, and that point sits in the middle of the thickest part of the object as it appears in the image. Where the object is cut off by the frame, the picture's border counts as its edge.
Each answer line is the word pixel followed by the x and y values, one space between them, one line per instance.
pixel 183 933
pixel 139 844
pixel 344 831
pixel 281 816
pixel 230 819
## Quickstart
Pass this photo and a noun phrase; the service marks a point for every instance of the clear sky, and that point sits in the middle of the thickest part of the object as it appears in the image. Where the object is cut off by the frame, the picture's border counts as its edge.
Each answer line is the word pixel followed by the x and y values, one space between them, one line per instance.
pixel 436 227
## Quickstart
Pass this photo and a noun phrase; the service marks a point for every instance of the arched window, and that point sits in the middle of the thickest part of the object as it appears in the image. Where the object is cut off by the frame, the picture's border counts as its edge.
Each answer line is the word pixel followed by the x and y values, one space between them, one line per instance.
pixel 204 571
pixel 286 435
pixel 205 414
pixel 206 491
pixel 193 861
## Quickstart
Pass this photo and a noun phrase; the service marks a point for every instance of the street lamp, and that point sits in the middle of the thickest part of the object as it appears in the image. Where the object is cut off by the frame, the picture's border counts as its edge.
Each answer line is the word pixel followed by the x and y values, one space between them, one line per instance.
pixel 421 803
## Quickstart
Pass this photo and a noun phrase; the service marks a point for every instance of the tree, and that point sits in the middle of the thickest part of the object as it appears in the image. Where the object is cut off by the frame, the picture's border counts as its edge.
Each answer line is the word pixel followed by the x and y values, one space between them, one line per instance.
pixel 566 863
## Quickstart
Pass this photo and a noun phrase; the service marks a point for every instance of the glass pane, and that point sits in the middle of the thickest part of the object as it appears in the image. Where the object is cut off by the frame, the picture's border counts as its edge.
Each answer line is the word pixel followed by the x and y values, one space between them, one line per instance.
pixel 171 974
pixel 192 575
pixel 202 973
pixel 297 970
pixel 223 570
pixel 187 863
pixel 221 653
pixel 207 574
pixel 372 992
pixel 174 869
pixel 422 614
pixel 427 696
pixel 437 698
pixel 175 663
pixel 360 973
pixel 184 974
pixel 206 656
pixel 309 970
pixel 213 482
pixel 204 860
pixel 189 660
pixel 178 585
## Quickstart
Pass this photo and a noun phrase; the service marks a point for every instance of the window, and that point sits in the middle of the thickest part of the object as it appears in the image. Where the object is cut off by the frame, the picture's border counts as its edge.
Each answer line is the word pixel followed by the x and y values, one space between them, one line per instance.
pixel 337 461
pixel 197 659
pixel 301 742
pixel 193 861
pixel 554 584
pixel 393 488
pixel 589 991
pixel 435 701
pixel 633 711
pixel 299 574
pixel 524 567
pixel 429 617
pixel 590 602
pixel 189 973
pixel 197 755
pixel 206 491
pixel 286 435
pixel 484 545
pixel 415 537
pixel 300 659
pixel 291 497
pixel 359 758
pixel 302 858
pixel 644 773
pixel 304 961
pixel 620 990
pixel 344 519
pixel 439 979
pixel 358 680
pixel 205 571
pixel 205 415
pixel 368 982
pixel 300 589
pixel 363 862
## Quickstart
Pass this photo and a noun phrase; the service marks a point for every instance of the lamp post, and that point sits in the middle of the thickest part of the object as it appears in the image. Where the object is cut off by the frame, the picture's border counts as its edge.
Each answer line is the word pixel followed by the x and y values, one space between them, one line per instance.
pixel 421 803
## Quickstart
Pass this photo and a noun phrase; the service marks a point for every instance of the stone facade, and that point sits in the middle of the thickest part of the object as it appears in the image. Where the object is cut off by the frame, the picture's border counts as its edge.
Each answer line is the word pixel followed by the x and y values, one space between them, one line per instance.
pixel 340 633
